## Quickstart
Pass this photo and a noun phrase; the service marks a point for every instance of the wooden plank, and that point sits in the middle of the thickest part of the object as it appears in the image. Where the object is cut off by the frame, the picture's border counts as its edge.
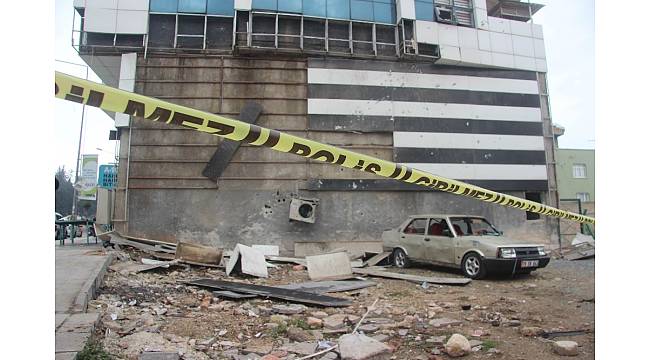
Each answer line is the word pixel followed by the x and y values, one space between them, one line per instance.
pixel 232 294
pixel 227 148
pixel 198 253
pixel 322 287
pixel 272 292
pixel 376 259
pixel 412 278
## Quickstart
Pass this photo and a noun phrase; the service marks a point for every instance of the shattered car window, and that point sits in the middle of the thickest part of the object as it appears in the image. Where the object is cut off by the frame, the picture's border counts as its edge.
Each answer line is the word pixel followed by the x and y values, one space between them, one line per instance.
pixel 466 226
pixel 416 227
pixel 437 227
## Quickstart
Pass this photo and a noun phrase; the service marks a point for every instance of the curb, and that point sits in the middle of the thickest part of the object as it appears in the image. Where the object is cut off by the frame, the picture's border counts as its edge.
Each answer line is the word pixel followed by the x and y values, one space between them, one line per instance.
pixel 89 289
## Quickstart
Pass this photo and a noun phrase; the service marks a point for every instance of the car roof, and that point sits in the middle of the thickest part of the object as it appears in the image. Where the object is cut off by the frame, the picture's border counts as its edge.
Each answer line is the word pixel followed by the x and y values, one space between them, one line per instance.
pixel 446 215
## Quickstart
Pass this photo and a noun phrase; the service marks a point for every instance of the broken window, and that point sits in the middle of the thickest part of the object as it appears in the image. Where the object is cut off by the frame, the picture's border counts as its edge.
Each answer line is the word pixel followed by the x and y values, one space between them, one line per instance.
pixel 536 197
pixel 438 227
pixel 458 12
pixel 416 227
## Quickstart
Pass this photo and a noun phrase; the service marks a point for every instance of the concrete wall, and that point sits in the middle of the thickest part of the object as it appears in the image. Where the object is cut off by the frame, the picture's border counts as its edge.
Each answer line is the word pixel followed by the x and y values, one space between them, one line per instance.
pixel 167 198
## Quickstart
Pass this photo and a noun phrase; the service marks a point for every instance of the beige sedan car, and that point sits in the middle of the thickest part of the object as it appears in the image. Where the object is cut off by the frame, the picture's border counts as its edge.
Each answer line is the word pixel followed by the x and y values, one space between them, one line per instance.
pixel 467 242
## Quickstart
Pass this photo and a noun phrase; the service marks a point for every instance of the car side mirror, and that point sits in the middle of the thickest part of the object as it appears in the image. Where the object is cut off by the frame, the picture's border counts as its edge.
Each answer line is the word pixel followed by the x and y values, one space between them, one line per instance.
pixel 447 232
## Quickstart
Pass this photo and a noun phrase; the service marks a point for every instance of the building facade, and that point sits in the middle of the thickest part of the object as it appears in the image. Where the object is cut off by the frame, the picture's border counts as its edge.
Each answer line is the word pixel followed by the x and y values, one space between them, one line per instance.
pixel 457 88
pixel 576 174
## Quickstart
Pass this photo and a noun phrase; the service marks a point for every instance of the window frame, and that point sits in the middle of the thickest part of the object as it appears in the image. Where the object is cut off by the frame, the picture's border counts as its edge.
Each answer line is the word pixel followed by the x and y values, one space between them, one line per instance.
pixel 426 227
pixel 582 168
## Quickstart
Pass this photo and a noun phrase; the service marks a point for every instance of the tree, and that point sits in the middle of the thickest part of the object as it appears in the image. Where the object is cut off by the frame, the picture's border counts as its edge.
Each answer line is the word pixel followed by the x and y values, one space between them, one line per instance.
pixel 63 196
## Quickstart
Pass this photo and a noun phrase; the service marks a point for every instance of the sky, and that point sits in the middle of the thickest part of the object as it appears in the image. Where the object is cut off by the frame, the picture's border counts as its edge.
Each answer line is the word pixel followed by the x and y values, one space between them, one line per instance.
pixel 569 39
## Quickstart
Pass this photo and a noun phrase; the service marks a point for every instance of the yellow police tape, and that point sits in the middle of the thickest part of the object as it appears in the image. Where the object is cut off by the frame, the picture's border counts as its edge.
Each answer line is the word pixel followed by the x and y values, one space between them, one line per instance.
pixel 111 99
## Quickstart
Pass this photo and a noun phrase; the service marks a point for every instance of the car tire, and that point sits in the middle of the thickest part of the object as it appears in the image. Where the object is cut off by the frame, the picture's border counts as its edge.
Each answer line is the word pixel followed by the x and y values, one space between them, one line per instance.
pixel 473 266
pixel 400 259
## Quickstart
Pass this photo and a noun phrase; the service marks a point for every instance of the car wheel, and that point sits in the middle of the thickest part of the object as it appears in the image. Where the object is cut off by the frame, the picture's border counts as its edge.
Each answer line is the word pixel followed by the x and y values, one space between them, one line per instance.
pixel 473 267
pixel 400 259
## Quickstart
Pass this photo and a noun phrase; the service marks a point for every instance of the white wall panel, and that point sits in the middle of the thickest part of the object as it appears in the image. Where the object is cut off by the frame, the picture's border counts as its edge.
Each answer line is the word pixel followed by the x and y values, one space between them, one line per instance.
pixel 243 4
pixel 525 63
pixel 405 9
pixel 448 34
pixel 481 19
pixel 499 25
pixel 126 82
pixel 501 43
pixel 484 40
pixel 523 46
pixel 142 5
pixel 484 171
pixel 420 81
pixel 132 22
pixel 541 65
pixel 470 56
pixel 406 139
pixel 486 57
pixel 503 60
pixel 79 3
pixel 449 53
pixel 100 20
pixel 538 33
pixel 101 4
pixel 427 32
pixel 521 28
pixel 467 37
pixel 480 4
pixel 540 50
pixel 419 109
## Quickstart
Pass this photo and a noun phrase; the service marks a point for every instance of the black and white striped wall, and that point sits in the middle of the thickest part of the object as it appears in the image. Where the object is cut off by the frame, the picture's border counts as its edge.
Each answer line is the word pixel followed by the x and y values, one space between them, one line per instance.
pixel 478 125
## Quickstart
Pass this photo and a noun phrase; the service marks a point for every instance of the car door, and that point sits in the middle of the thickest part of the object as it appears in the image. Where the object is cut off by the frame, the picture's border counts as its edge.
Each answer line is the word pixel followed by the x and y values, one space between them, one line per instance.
pixel 412 238
pixel 439 242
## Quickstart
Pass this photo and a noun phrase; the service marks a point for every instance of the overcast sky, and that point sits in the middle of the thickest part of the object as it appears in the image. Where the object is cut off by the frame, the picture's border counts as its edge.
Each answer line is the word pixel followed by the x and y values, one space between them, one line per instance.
pixel 568 35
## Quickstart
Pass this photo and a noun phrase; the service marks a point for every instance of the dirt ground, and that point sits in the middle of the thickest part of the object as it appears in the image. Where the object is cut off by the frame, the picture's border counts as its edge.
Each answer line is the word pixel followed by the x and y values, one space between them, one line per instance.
pixel 155 311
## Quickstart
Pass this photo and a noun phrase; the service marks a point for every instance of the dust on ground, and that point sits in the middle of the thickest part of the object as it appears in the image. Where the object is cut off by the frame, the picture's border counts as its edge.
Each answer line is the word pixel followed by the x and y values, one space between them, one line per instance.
pixel 156 311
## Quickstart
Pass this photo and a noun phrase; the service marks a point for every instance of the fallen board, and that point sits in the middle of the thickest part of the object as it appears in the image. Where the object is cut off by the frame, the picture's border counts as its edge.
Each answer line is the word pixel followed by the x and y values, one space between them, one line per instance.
pixel 247 260
pixel 322 287
pixel 376 259
pixel 284 259
pixel 232 294
pixel 412 278
pixel 272 292
pixel 580 254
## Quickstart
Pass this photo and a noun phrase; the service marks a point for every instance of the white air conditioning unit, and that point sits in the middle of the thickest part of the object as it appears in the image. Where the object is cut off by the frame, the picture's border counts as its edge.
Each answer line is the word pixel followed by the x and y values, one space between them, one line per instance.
pixel 444 15
pixel 302 209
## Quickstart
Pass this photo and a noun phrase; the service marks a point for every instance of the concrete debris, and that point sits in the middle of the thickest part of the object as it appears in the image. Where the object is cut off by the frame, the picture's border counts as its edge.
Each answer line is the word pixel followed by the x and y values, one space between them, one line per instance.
pixel 335 322
pixel 444 322
pixel 334 266
pixel 531 331
pixel 159 356
pixel 289 309
pixel 199 254
pixel 268 250
pixel 361 347
pixel 565 348
pixel 301 348
pixel 248 261
pixel 457 346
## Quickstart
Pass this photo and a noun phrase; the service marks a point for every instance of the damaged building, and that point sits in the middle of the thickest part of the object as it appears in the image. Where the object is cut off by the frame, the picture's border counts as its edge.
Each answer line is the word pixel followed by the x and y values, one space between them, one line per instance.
pixel 453 87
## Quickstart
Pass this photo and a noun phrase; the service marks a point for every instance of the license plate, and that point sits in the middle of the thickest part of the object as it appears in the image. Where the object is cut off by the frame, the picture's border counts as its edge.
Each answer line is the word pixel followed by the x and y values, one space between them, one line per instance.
pixel 529 263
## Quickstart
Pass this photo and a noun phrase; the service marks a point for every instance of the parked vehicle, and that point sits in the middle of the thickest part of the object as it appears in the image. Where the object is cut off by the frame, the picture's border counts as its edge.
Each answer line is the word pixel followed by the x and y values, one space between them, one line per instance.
pixel 77 230
pixel 467 242
pixel 59 231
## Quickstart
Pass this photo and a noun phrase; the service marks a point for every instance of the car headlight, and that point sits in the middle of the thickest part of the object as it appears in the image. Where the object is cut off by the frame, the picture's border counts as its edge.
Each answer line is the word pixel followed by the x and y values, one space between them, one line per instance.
pixel 540 250
pixel 507 253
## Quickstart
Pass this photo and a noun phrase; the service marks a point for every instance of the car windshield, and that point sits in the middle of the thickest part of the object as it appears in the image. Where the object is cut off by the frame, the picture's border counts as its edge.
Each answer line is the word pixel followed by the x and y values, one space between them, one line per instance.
pixel 466 226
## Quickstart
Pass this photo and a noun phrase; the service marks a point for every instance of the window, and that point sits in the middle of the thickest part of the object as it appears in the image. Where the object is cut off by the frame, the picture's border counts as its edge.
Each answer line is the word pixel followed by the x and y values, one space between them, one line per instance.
pixel 192 6
pixel 583 196
pixel 315 8
pixel 424 10
pixel 579 171
pixel 361 10
pixel 437 227
pixel 416 227
pixel 221 7
pixel 265 4
pixel 290 6
pixel 165 6
pixel 536 197
pixel 338 9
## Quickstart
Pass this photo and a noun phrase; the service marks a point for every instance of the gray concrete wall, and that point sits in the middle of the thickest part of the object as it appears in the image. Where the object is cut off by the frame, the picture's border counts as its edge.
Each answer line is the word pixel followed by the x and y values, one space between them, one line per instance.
pixel 168 198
